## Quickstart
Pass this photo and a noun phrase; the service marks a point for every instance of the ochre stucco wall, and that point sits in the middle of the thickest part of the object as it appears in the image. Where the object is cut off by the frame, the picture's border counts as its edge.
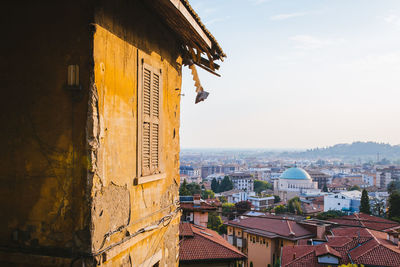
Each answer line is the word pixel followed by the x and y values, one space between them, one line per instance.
pixel 118 44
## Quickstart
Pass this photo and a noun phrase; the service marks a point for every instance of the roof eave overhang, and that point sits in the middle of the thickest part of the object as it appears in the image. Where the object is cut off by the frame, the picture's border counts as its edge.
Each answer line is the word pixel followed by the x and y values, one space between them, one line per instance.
pixel 196 39
pixel 184 12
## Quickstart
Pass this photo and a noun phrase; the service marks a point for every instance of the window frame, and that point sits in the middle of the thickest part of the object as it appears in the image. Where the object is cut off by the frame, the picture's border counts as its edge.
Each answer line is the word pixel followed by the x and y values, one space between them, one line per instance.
pixel 158 174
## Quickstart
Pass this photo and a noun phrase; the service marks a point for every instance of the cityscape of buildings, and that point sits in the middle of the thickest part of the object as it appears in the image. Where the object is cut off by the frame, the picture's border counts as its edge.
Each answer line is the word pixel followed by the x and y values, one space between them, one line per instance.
pixel 308 211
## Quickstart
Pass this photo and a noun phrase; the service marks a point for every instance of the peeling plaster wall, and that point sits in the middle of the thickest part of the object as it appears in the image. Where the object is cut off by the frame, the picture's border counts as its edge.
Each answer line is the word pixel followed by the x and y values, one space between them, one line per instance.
pixel 68 159
pixel 43 162
pixel 126 31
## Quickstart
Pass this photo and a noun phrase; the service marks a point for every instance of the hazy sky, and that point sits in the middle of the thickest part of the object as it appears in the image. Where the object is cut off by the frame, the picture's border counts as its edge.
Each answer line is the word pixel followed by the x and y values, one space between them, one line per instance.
pixel 299 74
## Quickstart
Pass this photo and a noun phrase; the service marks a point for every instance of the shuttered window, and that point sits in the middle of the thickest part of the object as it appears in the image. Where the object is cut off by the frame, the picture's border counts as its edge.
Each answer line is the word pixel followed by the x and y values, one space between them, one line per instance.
pixel 149 121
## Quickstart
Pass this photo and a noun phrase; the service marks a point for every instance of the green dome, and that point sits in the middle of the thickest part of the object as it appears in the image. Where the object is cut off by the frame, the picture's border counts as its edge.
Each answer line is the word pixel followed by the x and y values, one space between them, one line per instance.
pixel 295 174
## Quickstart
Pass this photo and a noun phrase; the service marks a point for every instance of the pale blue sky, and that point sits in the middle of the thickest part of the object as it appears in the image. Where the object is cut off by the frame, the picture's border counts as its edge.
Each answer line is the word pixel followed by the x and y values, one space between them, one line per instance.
pixel 299 74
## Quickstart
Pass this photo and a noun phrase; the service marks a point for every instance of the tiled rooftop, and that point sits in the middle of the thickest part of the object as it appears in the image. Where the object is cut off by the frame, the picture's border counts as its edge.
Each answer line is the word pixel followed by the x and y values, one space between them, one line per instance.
pixel 272 227
pixel 202 244
pixel 365 220
pixel 348 244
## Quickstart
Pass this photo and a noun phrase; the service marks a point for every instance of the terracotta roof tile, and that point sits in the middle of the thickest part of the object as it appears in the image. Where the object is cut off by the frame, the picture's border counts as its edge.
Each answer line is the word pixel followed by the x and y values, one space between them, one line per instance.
pixel 205 244
pixel 326 249
pixel 270 226
pixel 365 220
pixel 185 229
pixel 364 246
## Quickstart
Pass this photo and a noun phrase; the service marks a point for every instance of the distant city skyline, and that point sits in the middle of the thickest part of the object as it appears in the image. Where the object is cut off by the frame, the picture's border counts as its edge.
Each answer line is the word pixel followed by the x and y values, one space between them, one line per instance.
pixel 299 74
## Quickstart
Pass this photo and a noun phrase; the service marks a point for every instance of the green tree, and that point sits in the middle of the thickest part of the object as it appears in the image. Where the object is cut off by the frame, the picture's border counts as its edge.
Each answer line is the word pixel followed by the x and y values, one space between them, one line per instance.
pixel 223 229
pixel 243 206
pixel 189 189
pixel 331 214
pixel 206 194
pixel 260 186
pixel 354 187
pixel 365 207
pixel 226 184
pixel 294 205
pixel 393 186
pixel 277 263
pixel 183 190
pixel 280 209
pixel 194 188
pixel 325 188
pixel 215 185
pixel 277 199
pixel 378 206
pixel 228 210
pixel 223 199
pixel 214 221
pixel 394 205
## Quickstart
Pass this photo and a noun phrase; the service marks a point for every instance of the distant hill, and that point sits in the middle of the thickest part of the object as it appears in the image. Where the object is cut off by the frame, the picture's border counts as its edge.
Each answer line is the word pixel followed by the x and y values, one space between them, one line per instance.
pixel 366 151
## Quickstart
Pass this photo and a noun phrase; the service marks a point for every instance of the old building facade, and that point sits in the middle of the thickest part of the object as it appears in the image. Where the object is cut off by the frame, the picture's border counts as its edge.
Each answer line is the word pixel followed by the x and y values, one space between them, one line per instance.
pixel 90 150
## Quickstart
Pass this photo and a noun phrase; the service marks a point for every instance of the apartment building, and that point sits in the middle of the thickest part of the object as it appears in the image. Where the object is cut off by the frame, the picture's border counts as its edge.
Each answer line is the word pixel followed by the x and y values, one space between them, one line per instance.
pixel 242 181
pixel 261 238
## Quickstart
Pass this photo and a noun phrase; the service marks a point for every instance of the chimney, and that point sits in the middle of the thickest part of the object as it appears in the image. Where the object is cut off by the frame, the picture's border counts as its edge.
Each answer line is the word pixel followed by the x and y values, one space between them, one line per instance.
pixel 393 237
pixel 196 200
pixel 321 230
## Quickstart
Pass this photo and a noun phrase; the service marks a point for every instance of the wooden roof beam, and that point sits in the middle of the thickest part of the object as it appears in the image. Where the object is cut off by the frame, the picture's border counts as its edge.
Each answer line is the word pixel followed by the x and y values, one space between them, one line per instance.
pixel 185 13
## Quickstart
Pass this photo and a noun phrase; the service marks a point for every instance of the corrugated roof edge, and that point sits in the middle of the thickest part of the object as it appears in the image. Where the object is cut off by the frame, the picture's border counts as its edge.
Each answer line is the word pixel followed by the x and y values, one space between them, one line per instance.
pixel 203 27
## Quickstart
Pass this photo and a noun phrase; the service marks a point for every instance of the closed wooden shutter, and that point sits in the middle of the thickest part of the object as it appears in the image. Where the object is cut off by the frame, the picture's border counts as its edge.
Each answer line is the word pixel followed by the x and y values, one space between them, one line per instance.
pixel 150 121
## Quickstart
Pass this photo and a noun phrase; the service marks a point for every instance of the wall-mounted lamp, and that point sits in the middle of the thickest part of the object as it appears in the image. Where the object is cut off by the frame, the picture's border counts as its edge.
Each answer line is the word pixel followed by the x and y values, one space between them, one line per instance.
pixel 73 77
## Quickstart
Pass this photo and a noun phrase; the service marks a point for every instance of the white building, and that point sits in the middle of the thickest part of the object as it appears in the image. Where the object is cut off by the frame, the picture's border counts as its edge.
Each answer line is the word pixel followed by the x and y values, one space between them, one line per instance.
pixel 383 179
pixel 217 176
pixel 293 182
pixel 260 173
pixel 261 203
pixel 368 178
pixel 348 201
pixel 242 181
pixel 235 196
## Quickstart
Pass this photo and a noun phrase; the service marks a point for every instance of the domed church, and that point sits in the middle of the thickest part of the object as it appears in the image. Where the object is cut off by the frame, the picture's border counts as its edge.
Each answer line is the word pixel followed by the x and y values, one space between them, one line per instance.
pixel 293 182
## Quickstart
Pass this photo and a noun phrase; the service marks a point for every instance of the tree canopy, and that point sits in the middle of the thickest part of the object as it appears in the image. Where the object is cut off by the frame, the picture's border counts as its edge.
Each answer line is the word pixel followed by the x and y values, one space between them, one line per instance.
pixel 214 222
pixel 280 209
pixel 394 206
pixel 183 190
pixel 393 186
pixel 189 189
pixel 225 185
pixel 325 188
pixel 260 186
pixel 206 194
pixel 294 206
pixel 228 210
pixel 330 214
pixel 364 206
pixel 243 206
pixel 354 187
